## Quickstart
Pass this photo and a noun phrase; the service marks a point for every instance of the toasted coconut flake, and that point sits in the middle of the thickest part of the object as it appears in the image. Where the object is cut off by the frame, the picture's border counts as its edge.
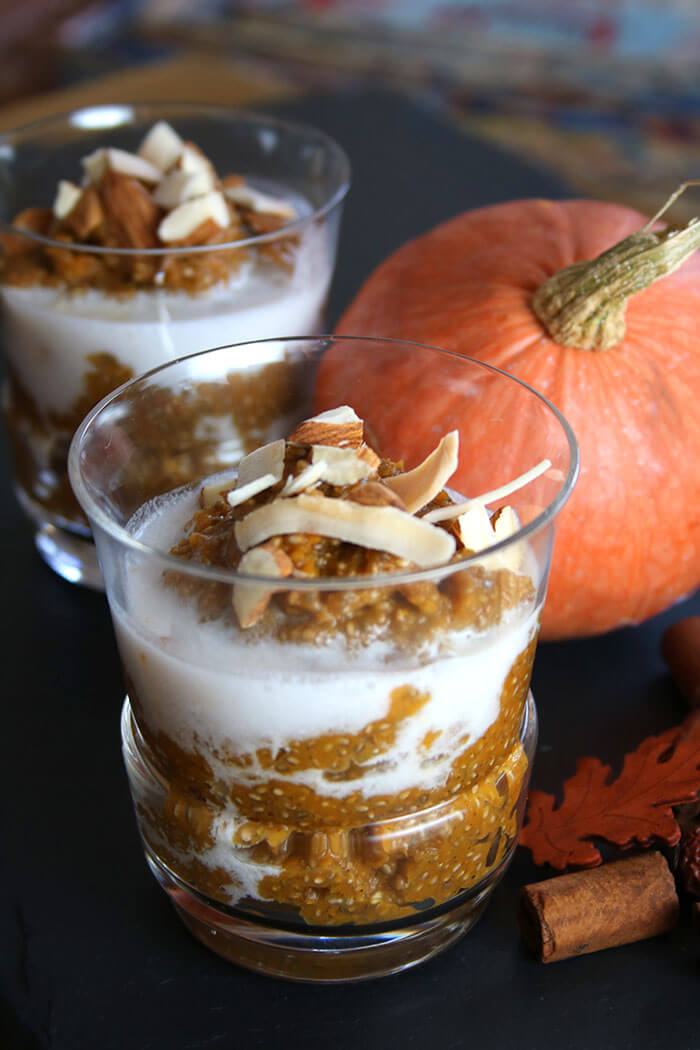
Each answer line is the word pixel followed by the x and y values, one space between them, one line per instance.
pixel 243 492
pixel 457 509
pixel 377 528
pixel 268 459
pixel 418 486
pixel 343 466
pixel 340 426
pixel 250 599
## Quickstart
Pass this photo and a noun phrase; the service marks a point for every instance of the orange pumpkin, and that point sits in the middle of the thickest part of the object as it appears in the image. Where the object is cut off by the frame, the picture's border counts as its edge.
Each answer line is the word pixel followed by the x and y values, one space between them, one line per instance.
pixel 628 541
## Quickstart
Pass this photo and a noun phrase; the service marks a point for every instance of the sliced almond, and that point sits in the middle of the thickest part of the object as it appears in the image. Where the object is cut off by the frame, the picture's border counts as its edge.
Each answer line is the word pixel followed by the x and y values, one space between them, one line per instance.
pixel 418 486
pixel 478 532
pixel 339 426
pixel 243 492
pixel 67 196
pixel 377 528
pixel 475 529
pixel 130 210
pixel 304 479
pixel 375 494
pixel 454 510
pixel 247 197
pixel 185 219
pixel 250 599
pixel 121 161
pixel 87 214
pixel 342 465
pixel 268 459
pixel 180 186
pixel 162 146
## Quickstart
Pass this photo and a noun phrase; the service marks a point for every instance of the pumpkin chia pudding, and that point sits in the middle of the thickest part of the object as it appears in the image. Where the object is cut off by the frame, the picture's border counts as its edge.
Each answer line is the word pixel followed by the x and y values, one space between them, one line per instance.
pixel 336 738
pixel 146 256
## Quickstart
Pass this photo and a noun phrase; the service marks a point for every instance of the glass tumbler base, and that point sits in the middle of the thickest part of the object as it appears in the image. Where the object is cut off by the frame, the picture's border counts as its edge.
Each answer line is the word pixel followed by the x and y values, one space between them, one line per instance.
pixel 71 556
pixel 315 954
pixel 324 957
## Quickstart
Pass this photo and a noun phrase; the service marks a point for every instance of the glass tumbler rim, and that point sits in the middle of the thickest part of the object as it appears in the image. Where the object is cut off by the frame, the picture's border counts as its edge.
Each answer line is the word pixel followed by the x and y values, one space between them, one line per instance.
pixel 119 533
pixel 131 111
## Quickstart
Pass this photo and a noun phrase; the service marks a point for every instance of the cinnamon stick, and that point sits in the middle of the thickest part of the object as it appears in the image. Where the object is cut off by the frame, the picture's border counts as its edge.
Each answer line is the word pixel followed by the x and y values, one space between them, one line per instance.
pixel 586 911
pixel 680 648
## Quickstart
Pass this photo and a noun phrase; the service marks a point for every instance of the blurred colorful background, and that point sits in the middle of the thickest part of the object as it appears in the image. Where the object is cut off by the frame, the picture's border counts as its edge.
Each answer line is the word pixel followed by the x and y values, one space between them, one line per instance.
pixel 605 93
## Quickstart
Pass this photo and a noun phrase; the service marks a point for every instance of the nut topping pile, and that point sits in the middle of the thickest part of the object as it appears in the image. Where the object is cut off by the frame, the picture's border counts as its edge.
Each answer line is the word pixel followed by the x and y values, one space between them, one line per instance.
pixel 326 486
pixel 166 195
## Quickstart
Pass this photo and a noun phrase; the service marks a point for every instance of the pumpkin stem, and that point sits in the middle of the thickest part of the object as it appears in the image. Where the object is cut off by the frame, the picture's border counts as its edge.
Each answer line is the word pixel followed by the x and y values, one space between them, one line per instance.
pixel 584 305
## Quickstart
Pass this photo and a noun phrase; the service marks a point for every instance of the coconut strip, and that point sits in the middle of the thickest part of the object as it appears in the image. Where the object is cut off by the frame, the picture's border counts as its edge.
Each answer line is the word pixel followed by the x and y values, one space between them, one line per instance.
pixel 457 509
pixel 376 528
pixel 418 486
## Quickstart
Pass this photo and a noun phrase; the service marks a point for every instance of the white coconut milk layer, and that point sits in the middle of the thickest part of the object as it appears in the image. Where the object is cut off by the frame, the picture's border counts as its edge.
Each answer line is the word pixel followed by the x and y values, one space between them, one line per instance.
pixel 49 333
pixel 212 688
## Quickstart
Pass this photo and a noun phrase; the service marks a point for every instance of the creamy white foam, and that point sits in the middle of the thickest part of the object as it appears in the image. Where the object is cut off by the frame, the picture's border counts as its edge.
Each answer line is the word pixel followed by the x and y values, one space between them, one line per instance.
pixel 49 333
pixel 210 686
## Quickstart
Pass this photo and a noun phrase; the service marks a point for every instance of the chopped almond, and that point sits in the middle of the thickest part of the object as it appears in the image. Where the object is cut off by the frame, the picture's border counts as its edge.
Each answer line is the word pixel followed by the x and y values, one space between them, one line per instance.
pixel 342 466
pixel 375 494
pixel 67 196
pixel 339 426
pixel 130 210
pixel 369 456
pixel 36 220
pixel 86 215
pixel 161 146
pixel 184 220
pixel 305 479
pixel 250 599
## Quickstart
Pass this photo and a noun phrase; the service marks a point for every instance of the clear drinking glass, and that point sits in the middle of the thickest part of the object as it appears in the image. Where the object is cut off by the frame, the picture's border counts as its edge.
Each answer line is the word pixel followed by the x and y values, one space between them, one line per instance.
pixel 78 318
pixel 322 804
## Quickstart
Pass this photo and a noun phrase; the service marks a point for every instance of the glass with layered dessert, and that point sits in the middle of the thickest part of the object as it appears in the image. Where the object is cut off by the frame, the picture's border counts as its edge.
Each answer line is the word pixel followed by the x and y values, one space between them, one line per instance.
pixel 327 647
pixel 129 236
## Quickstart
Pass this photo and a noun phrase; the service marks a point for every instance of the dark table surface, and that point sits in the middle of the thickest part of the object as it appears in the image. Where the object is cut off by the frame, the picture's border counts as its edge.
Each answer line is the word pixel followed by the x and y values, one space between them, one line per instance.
pixel 92 953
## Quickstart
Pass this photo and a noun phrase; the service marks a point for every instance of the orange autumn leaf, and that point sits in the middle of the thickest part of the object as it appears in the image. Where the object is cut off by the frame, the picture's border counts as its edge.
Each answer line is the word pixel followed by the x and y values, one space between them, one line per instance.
pixel 634 809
